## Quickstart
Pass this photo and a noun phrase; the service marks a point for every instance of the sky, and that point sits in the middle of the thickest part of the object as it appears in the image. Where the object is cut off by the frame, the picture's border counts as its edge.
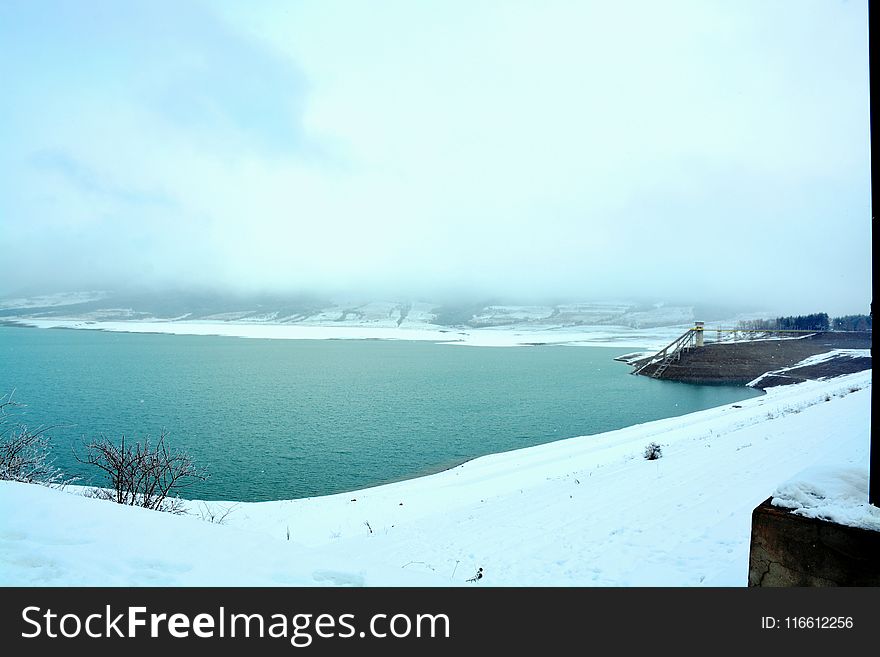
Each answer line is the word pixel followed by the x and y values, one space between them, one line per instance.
pixel 713 151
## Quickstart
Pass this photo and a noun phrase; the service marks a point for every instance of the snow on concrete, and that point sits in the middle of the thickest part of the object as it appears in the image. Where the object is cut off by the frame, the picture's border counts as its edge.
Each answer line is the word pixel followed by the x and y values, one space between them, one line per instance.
pixel 836 494
pixel 588 511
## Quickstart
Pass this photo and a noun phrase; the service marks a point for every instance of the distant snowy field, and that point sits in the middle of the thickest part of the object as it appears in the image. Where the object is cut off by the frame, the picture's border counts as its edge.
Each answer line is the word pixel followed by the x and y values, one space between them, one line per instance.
pixel 594 336
pixel 587 511
pixel 104 306
pixel 615 324
pixel 51 300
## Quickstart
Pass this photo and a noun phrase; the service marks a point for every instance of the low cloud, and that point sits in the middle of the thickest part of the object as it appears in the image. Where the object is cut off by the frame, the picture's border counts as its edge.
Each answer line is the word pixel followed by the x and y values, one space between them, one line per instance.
pixel 680 151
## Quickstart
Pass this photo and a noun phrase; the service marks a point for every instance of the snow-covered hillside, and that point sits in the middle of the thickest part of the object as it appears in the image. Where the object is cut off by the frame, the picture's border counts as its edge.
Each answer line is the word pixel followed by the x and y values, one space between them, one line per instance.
pixel 376 313
pixel 578 512
pixel 57 300
pixel 506 336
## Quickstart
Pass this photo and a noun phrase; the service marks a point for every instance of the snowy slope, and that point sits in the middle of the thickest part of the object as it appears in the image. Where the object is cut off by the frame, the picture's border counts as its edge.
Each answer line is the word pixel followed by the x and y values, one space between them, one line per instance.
pixel 817 359
pixel 51 300
pixel 579 512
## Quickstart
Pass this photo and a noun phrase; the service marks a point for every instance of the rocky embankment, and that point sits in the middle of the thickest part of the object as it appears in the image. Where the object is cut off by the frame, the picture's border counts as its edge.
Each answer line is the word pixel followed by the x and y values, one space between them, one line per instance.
pixel 743 362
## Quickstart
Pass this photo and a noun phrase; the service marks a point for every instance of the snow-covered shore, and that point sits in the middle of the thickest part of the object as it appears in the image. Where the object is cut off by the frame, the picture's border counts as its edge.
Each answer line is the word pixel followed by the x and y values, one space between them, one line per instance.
pixel 586 511
pixel 507 336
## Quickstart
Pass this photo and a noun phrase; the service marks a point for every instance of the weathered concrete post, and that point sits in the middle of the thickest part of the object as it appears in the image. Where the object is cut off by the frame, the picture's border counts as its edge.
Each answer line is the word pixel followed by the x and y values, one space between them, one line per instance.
pixel 873 465
pixel 874 455
pixel 698 332
pixel 791 550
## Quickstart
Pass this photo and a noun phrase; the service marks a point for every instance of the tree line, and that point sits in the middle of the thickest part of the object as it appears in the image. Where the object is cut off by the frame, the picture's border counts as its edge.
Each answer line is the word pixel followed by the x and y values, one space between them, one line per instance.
pixel 852 323
pixel 812 322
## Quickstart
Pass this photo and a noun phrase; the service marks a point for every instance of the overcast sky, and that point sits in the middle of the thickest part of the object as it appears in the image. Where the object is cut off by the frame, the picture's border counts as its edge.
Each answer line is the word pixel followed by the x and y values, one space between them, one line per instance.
pixel 706 150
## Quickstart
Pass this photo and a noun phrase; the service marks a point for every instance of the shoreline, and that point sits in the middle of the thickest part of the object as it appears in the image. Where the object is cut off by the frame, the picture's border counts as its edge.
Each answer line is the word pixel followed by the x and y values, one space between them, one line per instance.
pixel 588 336
pixel 425 472
pixel 847 383
pixel 564 513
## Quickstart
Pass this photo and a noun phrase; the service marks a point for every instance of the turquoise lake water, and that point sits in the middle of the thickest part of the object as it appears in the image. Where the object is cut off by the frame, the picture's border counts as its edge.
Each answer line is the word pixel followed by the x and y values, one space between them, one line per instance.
pixel 282 419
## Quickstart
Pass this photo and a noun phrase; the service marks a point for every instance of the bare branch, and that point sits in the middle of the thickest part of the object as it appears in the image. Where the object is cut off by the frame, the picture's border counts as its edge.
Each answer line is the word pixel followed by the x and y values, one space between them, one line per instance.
pixel 144 474
pixel 25 454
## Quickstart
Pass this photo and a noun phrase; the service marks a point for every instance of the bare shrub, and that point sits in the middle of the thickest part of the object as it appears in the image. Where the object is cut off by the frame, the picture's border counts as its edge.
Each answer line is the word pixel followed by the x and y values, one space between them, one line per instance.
pixel 141 473
pixel 24 452
pixel 653 451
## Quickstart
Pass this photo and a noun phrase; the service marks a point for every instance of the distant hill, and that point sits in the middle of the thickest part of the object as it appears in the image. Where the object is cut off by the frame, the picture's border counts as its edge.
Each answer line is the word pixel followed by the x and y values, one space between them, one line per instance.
pixel 316 310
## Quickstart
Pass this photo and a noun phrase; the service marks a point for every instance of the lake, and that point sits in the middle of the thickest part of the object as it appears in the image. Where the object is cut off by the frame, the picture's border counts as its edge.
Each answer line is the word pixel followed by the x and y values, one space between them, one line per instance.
pixel 283 419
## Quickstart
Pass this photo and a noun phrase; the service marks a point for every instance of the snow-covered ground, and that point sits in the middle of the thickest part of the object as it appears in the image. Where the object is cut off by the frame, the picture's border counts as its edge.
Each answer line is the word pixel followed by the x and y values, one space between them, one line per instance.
pixel 578 512
pixel 828 355
pixel 834 354
pixel 348 312
pixel 52 300
pixel 603 336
